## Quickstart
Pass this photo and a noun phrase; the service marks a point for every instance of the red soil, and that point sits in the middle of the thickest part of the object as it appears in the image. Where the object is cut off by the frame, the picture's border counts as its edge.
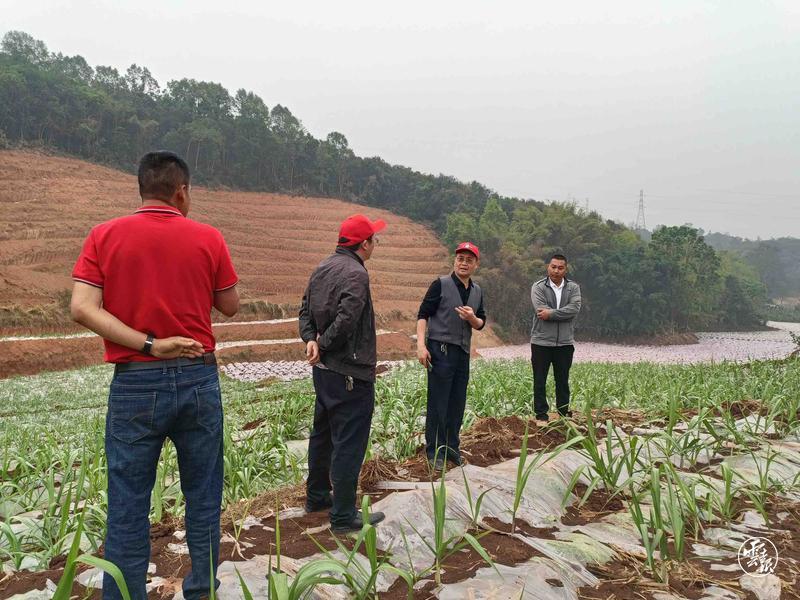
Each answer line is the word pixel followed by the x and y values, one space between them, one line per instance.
pixel 28 357
pixel 50 203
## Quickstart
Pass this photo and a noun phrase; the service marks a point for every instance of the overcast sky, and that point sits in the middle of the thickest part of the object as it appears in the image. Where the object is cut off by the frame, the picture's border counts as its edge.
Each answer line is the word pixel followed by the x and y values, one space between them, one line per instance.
pixel 694 102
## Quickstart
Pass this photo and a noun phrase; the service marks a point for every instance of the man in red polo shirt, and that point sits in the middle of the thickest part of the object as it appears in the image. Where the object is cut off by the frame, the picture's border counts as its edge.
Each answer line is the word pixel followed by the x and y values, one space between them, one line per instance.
pixel 146 283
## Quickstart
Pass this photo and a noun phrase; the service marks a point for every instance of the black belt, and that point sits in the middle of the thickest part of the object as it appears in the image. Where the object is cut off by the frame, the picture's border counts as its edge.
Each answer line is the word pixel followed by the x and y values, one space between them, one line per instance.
pixel 206 359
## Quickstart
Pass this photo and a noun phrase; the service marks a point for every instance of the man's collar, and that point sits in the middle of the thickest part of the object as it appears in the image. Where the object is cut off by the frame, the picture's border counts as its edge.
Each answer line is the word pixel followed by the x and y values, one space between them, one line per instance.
pixel 551 284
pixel 159 209
pixel 458 281
pixel 348 252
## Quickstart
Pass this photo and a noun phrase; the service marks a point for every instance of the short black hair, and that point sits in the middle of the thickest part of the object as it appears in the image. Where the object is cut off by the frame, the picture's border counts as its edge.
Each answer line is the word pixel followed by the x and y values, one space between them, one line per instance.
pixel 557 257
pixel 353 247
pixel 161 173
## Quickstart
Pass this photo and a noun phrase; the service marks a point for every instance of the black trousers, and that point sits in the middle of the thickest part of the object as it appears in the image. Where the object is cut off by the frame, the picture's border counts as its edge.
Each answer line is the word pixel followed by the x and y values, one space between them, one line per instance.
pixel 338 442
pixel 541 359
pixel 447 397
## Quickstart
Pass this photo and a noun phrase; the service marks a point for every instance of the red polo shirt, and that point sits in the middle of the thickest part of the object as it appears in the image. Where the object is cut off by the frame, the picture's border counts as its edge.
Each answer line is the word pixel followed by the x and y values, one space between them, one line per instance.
pixel 159 271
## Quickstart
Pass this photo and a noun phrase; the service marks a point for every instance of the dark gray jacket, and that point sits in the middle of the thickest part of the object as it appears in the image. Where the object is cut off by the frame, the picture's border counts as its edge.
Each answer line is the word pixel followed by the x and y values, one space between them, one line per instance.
pixel 337 305
pixel 558 330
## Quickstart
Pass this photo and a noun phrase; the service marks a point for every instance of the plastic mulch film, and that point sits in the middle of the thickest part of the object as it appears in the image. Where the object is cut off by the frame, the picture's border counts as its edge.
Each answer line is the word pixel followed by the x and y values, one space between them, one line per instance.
pixel 537 579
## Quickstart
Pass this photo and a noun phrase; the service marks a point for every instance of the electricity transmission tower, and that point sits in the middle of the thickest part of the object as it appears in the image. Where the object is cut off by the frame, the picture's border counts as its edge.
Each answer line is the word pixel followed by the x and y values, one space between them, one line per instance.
pixel 640 225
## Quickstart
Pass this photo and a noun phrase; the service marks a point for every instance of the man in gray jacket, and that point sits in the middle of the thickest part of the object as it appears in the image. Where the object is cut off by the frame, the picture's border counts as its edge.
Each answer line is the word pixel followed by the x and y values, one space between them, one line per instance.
pixel 337 323
pixel 556 303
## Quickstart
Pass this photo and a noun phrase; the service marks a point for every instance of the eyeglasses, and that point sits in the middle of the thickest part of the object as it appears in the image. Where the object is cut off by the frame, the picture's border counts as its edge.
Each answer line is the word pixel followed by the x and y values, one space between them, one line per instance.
pixel 465 259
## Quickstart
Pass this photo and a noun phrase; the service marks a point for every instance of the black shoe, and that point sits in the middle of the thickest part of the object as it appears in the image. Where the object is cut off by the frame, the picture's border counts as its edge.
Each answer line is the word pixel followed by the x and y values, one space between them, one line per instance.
pixel 544 418
pixel 312 507
pixel 566 413
pixel 357 523
pixel 456 460
pixel 436 465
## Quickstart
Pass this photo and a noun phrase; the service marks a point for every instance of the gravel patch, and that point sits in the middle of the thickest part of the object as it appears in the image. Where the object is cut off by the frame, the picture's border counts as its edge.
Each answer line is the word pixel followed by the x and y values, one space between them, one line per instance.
pixel 715 346
pixel 284 370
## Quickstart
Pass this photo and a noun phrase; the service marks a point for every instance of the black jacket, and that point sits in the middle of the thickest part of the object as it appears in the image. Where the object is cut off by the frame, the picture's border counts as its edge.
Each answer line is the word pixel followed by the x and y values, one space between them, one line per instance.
pixel 337 306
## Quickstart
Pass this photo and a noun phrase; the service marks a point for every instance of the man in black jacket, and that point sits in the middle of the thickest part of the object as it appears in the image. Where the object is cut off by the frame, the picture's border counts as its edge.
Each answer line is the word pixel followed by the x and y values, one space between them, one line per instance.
pixel 337 323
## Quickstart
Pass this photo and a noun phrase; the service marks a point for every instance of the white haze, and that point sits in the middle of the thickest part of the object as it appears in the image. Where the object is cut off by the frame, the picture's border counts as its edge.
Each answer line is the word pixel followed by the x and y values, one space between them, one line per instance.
pixel 695 102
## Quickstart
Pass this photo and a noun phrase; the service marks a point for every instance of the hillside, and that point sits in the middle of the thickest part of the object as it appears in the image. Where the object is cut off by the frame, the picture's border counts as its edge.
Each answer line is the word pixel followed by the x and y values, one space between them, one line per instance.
pixel 50 203
pixel 235 141
pixel 776 261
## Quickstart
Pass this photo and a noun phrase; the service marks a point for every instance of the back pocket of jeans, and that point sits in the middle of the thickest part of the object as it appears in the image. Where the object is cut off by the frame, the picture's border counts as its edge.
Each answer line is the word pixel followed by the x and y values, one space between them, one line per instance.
pixel 131 415
pixel 209 406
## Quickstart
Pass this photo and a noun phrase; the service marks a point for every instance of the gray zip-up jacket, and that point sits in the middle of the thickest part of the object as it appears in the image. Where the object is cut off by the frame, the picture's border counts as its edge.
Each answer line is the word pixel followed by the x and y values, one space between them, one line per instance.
pixel 558 330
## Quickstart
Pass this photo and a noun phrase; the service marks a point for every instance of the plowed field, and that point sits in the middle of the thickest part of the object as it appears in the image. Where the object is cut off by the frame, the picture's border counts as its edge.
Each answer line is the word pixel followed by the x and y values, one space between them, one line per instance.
pixel 48 204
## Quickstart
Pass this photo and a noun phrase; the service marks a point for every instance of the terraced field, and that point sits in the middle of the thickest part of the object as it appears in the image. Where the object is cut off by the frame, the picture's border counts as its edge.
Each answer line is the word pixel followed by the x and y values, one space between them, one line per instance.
pixel 50 203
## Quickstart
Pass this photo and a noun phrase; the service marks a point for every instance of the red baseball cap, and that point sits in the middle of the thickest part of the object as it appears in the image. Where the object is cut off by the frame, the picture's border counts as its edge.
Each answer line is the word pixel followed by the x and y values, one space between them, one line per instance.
pixel 358 228
pixel 469 247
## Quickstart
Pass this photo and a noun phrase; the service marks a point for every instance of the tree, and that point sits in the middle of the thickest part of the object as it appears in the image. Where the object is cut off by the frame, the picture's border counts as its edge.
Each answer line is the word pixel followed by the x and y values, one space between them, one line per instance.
pixel 290 133
pixel 109 79
pixel 492 227
pixel 693 276
pixel 461 227
pixel 333 157
pixel 21 45
pixel 140 81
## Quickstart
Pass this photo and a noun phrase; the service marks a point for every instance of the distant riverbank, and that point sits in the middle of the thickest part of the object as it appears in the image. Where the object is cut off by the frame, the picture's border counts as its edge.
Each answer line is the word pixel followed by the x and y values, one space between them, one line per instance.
pixel 716 346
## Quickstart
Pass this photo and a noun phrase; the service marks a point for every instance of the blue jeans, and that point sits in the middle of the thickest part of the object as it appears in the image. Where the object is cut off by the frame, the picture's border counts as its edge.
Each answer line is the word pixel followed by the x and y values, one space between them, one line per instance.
pixel 144 408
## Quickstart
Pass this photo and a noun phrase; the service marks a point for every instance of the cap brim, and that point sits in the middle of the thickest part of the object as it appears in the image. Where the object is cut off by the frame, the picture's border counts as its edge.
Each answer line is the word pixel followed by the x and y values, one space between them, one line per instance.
pixel 378 226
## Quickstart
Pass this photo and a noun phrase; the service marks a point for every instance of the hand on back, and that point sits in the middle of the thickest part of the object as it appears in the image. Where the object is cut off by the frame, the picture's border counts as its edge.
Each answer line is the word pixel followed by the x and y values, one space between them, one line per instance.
pixel 176 347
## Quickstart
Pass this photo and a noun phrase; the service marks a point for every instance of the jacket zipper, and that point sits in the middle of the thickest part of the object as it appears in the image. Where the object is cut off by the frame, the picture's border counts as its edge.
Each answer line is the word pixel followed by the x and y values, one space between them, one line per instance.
pixel 356 339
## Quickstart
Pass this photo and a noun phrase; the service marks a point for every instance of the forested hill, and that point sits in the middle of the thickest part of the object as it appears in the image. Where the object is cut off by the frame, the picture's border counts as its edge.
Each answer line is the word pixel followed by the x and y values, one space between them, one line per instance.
pixel 674 282
pixel 776 261
pixel 233 140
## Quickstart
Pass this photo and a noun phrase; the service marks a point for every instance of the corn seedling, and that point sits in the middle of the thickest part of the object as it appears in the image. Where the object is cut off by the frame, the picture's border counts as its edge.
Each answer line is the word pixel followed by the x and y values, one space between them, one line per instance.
pixel 64 588
pixel 525 468
pixel 594 481
pixel 607 460
pixel 651 537
pixel 48 462
pixel 442 546
pixel 238 525
pixel 212 580
pixel 360 580
pixel 474 506
pixel 306 579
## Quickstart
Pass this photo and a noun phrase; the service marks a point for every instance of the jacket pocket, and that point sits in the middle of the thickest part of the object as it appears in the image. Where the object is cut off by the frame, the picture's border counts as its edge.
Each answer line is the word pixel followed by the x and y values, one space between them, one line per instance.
pixel 131 415
pixel 537 326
